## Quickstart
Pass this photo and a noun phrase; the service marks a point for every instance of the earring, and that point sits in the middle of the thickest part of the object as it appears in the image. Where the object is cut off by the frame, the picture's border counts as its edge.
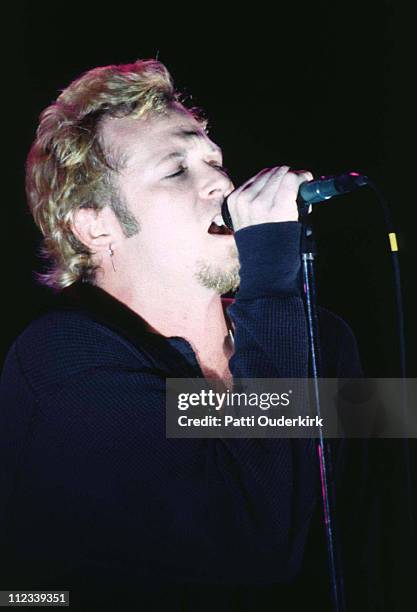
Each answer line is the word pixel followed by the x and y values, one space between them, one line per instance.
pixel 111 253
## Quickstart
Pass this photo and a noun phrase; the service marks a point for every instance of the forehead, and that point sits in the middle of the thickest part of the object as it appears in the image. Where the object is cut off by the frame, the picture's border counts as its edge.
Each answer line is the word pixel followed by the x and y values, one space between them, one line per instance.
pixel 150 137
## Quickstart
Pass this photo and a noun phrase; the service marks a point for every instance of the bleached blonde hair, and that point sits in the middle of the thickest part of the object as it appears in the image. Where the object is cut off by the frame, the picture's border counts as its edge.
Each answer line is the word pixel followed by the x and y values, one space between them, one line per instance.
pixel 69 168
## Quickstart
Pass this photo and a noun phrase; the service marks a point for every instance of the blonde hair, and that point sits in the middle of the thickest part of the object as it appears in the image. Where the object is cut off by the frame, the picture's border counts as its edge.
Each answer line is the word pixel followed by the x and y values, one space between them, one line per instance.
pixel 68 167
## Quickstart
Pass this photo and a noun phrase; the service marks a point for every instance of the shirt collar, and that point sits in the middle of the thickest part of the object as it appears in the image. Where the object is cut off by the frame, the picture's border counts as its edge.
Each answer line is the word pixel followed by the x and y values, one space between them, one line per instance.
pixel 107 310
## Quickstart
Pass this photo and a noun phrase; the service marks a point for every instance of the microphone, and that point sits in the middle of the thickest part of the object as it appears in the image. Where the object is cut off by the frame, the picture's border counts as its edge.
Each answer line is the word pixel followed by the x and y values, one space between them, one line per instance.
pixel 324 188
pixel 318 190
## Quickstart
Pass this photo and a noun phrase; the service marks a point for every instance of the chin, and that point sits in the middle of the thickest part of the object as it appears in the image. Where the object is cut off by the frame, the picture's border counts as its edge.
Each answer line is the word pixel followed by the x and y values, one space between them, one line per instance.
pixel 221 275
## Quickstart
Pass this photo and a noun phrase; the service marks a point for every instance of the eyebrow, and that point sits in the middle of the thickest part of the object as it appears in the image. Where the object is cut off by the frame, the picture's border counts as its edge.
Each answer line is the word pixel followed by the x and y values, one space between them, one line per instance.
pixel 186 134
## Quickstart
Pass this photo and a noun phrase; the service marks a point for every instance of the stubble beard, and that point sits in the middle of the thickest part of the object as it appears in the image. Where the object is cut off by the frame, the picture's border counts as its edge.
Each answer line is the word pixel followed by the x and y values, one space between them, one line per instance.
pixel 222 279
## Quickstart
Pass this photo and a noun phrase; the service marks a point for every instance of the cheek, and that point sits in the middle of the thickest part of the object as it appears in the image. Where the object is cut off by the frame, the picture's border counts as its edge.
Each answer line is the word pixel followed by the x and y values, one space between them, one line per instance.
pixel 170 213
pixel 167 214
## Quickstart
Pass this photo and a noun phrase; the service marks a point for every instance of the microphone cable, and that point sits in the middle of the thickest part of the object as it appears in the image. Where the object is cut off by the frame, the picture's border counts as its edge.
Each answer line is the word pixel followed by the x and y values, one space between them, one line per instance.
pixel 393 245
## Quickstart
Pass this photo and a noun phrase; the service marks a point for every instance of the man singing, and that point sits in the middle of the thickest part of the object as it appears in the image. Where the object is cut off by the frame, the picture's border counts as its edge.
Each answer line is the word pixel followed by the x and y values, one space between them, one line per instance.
pixel 127 187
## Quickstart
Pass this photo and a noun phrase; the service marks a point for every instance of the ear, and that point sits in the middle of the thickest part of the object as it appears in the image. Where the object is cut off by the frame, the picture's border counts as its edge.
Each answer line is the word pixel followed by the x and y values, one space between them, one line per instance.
pixel 96 229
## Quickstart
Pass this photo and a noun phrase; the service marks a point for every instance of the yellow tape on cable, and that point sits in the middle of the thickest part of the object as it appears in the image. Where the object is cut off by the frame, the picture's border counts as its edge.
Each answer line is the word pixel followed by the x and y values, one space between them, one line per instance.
pixel 393 241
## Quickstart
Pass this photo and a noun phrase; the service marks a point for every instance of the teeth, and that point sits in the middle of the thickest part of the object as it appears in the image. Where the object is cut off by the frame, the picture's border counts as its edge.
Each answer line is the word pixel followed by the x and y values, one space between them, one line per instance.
pixel 218 220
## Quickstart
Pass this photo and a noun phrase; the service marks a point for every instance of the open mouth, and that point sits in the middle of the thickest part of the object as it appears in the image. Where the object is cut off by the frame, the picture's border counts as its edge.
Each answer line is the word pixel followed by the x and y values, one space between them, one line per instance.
pixel 217 227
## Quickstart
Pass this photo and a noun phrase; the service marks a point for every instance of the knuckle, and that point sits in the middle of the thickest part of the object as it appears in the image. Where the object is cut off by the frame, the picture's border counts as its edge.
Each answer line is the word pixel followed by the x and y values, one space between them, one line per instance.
pixel 283 169
pixel 304 174
pixel 291 178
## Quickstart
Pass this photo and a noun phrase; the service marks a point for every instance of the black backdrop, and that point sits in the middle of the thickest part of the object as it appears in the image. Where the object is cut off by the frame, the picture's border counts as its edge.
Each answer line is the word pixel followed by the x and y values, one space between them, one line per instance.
pixel 321 86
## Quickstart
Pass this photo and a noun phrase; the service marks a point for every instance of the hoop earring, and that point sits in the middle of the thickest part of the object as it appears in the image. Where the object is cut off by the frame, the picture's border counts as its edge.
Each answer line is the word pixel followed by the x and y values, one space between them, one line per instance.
pixel 111 253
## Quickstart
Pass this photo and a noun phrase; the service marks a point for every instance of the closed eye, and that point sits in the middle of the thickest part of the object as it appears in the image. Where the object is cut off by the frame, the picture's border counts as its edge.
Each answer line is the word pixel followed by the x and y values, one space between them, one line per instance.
pixel 221 168
pixel 180 171
pixel 183 169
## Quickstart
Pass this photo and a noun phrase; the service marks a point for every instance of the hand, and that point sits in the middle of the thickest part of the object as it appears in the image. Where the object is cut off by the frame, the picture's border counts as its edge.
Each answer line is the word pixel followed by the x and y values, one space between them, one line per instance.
pixel 270 196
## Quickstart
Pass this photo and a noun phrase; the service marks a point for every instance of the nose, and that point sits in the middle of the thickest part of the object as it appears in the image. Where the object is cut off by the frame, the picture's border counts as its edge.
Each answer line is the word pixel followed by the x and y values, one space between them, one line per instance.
pixel 216 184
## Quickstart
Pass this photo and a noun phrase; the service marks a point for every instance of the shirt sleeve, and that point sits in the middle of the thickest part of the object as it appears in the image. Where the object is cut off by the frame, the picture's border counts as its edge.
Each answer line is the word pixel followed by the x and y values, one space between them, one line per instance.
pixel 268 313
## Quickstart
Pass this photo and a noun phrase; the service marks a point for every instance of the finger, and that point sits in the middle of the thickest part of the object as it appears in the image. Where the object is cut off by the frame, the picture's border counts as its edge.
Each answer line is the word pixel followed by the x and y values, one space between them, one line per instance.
pixel 273 178
pixel 291 179
pixel 306 174
pixel 261 177
pixel 283 178
pixel 254 186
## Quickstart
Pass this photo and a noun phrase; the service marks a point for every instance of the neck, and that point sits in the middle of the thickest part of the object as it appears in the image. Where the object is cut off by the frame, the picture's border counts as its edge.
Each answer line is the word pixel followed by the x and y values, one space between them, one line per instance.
pixel 193 312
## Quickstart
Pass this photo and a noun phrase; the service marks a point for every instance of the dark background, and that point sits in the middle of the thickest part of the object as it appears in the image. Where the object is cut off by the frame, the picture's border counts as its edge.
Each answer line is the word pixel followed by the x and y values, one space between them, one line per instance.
pixel 322 86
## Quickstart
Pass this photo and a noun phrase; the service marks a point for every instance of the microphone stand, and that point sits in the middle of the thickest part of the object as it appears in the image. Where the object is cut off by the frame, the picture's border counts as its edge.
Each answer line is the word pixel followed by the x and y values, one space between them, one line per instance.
pixel 308 253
